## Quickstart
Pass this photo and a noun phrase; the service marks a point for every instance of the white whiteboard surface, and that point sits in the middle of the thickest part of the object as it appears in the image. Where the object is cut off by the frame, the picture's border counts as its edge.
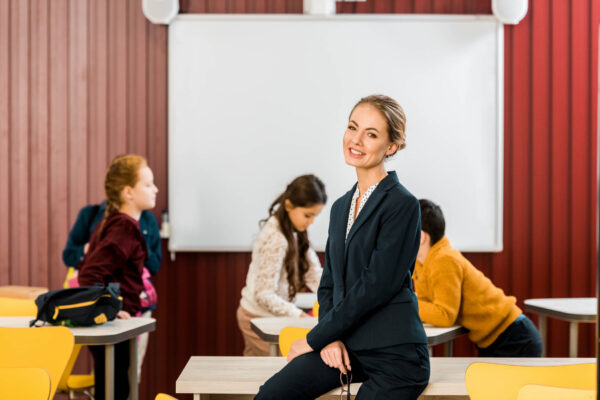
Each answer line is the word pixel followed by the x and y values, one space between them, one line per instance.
pixel 256 100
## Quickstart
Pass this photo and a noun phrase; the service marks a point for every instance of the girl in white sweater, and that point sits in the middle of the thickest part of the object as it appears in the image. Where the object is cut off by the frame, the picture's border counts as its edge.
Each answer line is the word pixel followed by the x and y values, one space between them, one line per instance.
pixel 283 263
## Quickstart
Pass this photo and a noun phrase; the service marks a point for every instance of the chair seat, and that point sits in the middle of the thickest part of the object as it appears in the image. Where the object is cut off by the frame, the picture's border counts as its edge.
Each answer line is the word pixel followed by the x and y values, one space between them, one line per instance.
pixel 79 382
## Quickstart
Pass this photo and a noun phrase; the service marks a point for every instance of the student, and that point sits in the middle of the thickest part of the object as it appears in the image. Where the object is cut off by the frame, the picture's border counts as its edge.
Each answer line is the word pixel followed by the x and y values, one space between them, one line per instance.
pixel 283 263
pixel 117 252
pixel 452 291
pixel 369 324
pixel 78 244
pixel 87 220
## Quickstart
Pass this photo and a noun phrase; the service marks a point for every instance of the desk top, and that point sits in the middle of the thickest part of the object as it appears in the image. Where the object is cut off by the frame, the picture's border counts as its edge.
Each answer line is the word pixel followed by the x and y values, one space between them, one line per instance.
pixel 111 332
pixel 244 375
pixel 305 301
pixel 268 329
pixel 570 309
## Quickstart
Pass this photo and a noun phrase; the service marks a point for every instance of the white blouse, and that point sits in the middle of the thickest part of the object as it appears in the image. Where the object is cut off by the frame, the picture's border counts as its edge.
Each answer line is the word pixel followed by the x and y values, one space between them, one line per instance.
pixel 266 291
pixel 363 201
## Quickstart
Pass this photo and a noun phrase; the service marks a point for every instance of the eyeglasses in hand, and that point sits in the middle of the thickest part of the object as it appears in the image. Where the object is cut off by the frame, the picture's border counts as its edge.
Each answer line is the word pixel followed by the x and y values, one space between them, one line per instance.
pixel 345 386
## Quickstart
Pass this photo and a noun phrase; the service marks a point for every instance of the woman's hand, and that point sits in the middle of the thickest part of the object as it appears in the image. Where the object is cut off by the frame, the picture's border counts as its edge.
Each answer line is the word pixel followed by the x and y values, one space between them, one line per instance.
pixel 123 315
pixel 298 348
pixel 335 355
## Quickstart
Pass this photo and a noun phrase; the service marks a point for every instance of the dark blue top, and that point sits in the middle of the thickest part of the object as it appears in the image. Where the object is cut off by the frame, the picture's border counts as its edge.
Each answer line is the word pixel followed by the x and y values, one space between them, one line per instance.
pixel 90 216
pixel 365 295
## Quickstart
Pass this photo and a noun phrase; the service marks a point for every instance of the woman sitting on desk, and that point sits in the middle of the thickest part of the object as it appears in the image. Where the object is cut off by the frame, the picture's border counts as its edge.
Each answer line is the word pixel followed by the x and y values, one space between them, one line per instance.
pixel 369 326
pixel 283 262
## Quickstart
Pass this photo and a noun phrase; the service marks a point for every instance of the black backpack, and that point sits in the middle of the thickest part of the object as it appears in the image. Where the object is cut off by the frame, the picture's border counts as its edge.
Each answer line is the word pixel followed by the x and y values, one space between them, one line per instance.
pixel 81 306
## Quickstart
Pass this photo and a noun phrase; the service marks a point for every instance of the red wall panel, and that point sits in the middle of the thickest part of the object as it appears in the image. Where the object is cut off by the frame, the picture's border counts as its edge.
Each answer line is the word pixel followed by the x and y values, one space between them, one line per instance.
pixel 84 80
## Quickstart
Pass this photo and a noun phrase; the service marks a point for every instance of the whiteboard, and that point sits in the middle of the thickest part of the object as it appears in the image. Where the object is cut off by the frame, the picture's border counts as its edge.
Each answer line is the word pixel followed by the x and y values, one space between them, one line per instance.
pixel 256 100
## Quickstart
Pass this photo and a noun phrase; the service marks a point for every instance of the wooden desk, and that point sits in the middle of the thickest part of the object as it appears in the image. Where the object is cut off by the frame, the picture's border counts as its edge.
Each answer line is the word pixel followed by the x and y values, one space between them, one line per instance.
pixel 240 377
pixel 268 329
pixel 107 334
pixel 574 310
pixel 22 292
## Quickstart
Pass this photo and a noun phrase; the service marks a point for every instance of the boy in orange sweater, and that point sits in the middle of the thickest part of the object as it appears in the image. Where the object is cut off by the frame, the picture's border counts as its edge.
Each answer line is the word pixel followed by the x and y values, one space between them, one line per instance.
pixel 452 291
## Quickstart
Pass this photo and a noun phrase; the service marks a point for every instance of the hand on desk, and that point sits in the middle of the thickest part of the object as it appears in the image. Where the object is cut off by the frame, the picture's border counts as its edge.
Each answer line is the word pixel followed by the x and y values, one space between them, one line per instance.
pixel 123 315
pixel 298 348
pixel 335 355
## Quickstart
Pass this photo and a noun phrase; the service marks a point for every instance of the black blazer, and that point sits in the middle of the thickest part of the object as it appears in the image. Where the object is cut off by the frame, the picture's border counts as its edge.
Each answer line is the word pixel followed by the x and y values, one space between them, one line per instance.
pixel 365 295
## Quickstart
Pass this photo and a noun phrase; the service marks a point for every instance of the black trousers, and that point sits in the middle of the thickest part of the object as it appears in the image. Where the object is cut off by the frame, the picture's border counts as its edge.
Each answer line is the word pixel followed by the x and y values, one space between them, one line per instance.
pixel 520 339
pixel 121 371
pixel 397 372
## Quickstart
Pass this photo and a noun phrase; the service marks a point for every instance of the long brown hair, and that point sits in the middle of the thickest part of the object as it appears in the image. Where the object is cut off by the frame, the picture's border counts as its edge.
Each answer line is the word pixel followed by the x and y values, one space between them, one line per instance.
pixel 304 191
pixel 122 172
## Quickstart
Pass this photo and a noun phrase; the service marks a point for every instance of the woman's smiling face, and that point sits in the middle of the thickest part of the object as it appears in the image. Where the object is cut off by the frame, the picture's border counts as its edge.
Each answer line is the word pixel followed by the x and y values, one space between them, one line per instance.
pixel 366 140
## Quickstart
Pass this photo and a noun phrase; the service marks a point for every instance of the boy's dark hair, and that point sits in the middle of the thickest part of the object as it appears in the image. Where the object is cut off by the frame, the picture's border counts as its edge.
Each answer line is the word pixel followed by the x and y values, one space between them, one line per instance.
pixel 432 220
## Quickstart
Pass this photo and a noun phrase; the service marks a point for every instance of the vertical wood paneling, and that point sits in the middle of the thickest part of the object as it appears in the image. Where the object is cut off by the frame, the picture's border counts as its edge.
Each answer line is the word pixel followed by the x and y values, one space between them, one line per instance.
pixel 519 128
pixel 5 107
pixel 78 106
pixel 117 74
pixel 59 124
pixel 38 232
pixel 560 117
pixel 19 141
pixel 136 79
pixel 540 151
pixel 594 17
pixel 98 98
pixel 85 80
pixel 157 111
pixel 580 142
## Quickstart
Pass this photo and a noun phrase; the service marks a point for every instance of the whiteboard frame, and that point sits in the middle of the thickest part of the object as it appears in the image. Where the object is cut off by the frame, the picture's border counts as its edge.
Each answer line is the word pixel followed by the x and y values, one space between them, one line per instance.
pixel 498 244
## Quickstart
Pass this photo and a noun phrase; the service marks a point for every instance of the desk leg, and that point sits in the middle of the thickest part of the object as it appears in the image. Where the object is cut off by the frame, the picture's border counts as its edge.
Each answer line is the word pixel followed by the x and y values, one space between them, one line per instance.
pixel 542 324
pixel 430 351
pixel 273 349
pixel 573 338
pixel 109 371
pixel 448 346
pixel 133 378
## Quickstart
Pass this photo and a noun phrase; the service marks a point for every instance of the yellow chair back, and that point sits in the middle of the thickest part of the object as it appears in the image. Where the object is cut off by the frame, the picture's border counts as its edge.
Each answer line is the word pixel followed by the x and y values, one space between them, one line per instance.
pixel 316 309
pixel 542 392
pixel 12 307
pixel 48 348
pixel 162 396
pixel 289 335
pixel 488 381
pixel 24 383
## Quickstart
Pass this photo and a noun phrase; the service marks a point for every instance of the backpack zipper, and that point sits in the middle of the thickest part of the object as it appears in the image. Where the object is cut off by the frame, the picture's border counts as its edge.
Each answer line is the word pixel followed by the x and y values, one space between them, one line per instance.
pixel 76 305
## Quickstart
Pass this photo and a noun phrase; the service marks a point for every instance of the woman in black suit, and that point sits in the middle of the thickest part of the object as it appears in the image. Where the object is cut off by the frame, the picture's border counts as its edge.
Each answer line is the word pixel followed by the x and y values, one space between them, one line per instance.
pixel 369 324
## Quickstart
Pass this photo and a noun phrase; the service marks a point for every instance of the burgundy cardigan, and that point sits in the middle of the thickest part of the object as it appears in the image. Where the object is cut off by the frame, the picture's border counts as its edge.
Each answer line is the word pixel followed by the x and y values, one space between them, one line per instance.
pixel 116 254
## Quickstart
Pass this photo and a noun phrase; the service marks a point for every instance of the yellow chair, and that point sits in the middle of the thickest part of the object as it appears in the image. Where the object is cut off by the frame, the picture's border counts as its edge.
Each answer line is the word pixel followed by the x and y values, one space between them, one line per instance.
pixel 71 384
pixel 24 383
pixel 162 396
pixel 12 307
pixel 316 309
pixel 542 392
pixel 289 335
pixel 48 348
pixel 76 385
pixel 488 381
